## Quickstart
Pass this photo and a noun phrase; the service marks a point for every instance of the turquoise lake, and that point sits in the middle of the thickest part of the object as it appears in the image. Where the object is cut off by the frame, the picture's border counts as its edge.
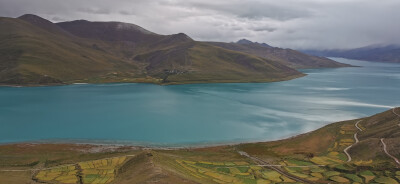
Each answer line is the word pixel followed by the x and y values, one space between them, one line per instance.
pixel 176 115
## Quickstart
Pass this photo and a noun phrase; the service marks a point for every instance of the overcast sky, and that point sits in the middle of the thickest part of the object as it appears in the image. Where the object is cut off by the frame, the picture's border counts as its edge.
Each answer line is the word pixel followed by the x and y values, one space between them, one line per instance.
pixel 298 24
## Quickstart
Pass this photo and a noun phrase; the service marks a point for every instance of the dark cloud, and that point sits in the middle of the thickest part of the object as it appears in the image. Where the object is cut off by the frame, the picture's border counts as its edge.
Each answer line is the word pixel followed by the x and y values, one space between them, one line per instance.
pixel 284 23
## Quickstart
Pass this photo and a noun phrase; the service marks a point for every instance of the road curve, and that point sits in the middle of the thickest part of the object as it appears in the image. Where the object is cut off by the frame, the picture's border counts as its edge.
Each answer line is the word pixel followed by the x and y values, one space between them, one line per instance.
pixel 262 162
pixel 355 138
pixel 357 126
pixel 388 154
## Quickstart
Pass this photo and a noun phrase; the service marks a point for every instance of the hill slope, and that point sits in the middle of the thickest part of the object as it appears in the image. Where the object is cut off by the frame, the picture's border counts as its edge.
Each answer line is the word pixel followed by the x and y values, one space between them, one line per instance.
pixel 289 57
pixel 31 54
pixel 35 51
pixel 179 59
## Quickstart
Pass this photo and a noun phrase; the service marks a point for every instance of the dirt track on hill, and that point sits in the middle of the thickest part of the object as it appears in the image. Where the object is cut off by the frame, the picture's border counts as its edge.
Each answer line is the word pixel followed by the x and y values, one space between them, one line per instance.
pixel 356 139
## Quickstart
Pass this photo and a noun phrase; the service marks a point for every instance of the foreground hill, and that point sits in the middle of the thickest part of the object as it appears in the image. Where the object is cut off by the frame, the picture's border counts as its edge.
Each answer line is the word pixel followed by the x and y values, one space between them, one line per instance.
pixel 377 53
pixel 35 51
pixel 356 151
pixel 289 57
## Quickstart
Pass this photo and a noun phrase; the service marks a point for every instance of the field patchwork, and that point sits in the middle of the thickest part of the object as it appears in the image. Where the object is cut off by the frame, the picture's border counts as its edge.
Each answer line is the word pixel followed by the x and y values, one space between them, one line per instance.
pixel 90 172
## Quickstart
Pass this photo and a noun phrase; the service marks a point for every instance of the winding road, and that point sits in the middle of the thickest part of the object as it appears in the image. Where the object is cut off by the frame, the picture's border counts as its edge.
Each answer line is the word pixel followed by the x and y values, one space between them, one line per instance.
pixel 388 154
pixel 384 144
pixel 356 139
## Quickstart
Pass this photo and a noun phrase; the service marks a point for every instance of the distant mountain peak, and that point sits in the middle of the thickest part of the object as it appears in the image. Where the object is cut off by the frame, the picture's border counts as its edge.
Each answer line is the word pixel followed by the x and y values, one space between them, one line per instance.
pixel 33 18
pixel 128 26
pixel 42 23
pixel 182 36
pixel 244 41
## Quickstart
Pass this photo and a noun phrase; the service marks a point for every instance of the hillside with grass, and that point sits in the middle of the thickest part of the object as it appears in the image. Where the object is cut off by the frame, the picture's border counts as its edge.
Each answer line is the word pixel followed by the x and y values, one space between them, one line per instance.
pixel 319 156
pixel 35 55
pixel 289 57
pixel 35 51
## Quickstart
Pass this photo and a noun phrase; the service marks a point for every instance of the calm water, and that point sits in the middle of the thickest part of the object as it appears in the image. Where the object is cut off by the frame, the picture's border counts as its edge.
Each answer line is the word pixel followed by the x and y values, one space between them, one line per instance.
pixel 200 113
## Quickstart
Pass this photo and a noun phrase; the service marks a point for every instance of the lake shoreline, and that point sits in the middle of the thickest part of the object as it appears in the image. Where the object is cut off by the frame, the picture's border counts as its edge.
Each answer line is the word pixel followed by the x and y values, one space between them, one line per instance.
pixel 158 147
pixel 161 84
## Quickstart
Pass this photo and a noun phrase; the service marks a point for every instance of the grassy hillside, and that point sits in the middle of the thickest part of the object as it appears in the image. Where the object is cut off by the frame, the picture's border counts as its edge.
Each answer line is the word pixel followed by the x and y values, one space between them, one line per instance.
pixel 289 57
pixel 315 157
pixel 34 51
pixel 177 59
pixel 32 55
pixel 197 62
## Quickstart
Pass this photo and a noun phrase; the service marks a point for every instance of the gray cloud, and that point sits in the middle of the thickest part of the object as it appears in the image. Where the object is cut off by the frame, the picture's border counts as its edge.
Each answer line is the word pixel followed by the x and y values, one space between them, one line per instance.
pixel 286 23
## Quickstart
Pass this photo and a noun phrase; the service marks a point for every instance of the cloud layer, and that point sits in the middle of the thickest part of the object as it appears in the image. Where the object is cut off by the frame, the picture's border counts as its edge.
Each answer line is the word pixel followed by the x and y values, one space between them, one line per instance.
pixel 300 24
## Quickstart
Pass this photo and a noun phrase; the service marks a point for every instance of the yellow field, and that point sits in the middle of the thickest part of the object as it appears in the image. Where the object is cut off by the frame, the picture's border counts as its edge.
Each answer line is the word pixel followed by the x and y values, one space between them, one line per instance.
pixel 64 174
pixel 232 172
pixel 92 172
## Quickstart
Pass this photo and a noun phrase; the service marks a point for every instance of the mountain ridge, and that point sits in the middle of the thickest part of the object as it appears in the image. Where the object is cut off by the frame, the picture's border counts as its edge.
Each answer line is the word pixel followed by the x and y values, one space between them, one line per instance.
pixel 98 52
pixel 292 58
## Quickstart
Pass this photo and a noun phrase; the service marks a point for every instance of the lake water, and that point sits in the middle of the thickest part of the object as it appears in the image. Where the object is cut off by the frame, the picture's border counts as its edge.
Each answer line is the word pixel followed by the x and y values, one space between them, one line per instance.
pixel 199 113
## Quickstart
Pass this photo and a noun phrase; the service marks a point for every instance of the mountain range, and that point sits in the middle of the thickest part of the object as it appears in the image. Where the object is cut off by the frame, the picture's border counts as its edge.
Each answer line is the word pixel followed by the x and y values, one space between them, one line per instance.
pixel 35 51
pixel 378 53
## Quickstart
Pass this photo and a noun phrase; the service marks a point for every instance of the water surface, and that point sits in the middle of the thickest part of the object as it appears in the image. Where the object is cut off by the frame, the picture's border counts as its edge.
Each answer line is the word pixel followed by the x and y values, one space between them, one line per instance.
pixel 197 113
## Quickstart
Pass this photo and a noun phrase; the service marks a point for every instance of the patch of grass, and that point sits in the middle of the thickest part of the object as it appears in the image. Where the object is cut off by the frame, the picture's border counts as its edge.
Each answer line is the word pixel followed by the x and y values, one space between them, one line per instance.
pixel 222 169
pixel 243 169
pixel 299 162
pixel 300 175
pixel 205 165
pixel 317 175
pixel 294 169
pixel 343 167
pixel 367 173
pixel 342 157
pixel 339 179
pixel 331 173
pixel 386 180
pixel 272 175
pixel 260 181
pixel 249 181
pixel 353 177
pixel 317 170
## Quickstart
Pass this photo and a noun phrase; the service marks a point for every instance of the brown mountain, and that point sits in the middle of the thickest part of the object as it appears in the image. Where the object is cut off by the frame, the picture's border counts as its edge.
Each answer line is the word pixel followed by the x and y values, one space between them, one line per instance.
pixel 36 51
pixel 289 57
